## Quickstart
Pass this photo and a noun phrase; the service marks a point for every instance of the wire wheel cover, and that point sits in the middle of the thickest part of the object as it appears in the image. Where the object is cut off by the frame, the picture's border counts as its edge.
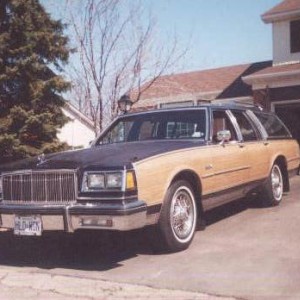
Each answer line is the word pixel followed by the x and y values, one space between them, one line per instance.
pixel 277 184
pixel 182 214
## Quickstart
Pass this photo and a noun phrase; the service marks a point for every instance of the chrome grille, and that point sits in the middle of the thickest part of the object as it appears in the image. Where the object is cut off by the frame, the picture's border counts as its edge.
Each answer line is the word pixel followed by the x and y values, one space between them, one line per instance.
pixel 50 186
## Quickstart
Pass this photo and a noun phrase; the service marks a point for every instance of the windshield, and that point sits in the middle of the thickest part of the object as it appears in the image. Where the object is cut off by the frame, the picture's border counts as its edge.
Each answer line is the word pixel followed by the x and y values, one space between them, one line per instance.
pixel 188 124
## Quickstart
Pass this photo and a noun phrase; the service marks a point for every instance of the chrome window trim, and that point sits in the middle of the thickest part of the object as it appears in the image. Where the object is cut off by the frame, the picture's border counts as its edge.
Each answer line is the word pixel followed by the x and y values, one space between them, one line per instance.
pixel 252 124
pixel 279 120
pixel 231 118
pixel 259 126
pixel 96 143
pixel 236 126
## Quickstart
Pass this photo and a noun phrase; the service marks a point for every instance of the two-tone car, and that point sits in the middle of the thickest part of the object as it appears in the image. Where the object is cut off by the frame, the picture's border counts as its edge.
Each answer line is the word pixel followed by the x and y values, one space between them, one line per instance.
pixel 163 168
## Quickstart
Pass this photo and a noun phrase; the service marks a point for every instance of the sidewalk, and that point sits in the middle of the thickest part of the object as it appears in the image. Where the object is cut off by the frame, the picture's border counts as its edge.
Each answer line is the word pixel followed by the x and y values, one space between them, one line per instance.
pixel 16 285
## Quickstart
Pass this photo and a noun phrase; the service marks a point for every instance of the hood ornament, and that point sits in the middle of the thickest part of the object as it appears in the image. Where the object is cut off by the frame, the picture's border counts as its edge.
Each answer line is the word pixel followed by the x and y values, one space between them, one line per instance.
pixel 41 159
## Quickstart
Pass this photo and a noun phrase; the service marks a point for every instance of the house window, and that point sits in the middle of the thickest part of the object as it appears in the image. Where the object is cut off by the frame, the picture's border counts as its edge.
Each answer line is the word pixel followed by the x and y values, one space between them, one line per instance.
pixel 182 130
pixel 295 36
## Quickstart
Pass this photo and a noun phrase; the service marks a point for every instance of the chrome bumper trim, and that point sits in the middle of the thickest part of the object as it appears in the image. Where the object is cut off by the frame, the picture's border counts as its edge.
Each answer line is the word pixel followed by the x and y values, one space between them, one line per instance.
pixel 73 217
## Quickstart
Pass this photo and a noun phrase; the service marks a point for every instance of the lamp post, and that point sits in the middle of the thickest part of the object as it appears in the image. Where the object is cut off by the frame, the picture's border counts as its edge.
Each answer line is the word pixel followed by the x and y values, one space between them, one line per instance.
pixel 124 104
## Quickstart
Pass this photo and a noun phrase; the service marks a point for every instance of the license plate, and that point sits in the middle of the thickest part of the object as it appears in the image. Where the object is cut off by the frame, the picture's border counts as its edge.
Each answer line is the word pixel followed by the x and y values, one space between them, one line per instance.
pixel 28 225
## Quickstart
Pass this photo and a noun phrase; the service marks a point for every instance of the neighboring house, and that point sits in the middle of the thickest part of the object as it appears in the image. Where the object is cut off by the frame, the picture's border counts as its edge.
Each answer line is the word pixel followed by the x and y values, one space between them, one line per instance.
pixel 79 131
pixel 273 84
pixel 192 88
pixel 278 87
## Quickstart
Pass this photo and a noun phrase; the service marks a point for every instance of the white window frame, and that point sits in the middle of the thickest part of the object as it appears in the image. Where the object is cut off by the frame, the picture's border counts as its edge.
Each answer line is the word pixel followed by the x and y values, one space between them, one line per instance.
pixel 282 102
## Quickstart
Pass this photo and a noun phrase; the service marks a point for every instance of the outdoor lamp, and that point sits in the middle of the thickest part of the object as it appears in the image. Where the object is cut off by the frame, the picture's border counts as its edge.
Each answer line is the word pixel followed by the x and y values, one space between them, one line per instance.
pixel 125 104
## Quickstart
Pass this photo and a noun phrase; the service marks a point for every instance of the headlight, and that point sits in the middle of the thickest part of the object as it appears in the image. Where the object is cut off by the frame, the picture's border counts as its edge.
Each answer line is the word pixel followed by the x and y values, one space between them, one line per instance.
pixel 95 181
pixel 110 180
pixel 114 180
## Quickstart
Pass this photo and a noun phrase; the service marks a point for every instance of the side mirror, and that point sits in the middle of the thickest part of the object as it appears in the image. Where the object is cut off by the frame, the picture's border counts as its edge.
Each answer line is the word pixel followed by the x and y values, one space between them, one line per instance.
pixel 223 136
pixel 91 143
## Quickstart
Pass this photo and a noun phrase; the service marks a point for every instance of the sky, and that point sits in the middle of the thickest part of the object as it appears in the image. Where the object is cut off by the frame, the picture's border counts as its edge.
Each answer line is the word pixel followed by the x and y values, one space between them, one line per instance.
pixel 218 32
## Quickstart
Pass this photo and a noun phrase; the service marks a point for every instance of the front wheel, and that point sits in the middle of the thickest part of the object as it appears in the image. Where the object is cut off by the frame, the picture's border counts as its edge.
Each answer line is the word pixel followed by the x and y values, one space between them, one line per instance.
pixel 273 189
pixel 178 217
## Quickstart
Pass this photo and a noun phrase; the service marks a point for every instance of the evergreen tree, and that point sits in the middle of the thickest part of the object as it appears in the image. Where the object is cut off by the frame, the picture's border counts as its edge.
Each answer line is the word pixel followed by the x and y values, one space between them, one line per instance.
pixel 30 92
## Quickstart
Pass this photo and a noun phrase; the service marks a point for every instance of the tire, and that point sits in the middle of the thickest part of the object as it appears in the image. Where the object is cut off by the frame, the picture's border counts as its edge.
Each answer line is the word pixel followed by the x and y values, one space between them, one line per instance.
pixel 273 188
pixel 177 222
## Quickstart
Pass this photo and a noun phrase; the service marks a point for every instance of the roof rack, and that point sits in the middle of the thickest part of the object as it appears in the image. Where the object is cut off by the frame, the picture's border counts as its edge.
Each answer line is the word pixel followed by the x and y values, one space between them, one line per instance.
pixel 250 105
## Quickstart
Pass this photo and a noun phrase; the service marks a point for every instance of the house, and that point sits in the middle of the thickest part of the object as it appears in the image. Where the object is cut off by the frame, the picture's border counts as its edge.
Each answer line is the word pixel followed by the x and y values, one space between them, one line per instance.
pixel 193 88
pixel 79 131
pixel 277 87
pixel 275 84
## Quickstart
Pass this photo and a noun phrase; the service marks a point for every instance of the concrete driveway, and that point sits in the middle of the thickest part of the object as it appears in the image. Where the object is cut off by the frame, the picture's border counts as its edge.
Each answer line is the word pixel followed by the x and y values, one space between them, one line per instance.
pixel 246 252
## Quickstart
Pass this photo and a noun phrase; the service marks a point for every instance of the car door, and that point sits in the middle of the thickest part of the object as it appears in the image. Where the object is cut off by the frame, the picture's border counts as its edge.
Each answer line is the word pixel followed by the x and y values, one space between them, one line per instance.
pixel 255 148
pixel 229 167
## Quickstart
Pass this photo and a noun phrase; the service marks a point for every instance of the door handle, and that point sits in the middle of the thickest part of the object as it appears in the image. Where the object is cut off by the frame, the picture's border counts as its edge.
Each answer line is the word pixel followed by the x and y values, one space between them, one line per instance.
pixel 208 167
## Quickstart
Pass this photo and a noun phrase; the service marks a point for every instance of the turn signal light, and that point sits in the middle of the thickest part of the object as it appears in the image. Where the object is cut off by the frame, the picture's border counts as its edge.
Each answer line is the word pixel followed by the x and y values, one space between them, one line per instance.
pixel 95 222
pixel 130 181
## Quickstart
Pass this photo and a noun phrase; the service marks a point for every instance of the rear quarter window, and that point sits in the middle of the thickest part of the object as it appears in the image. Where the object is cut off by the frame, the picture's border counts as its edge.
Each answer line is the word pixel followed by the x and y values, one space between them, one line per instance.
pixel 247 130
pixel 273 125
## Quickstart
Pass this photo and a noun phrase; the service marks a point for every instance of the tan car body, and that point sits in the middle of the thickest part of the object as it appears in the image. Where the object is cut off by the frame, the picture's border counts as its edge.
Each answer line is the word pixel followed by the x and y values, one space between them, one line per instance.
pixel 219 168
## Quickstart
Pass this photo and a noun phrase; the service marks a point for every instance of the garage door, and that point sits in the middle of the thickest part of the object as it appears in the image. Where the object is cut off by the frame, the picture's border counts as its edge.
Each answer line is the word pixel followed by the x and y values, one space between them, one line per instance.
pixel 290 115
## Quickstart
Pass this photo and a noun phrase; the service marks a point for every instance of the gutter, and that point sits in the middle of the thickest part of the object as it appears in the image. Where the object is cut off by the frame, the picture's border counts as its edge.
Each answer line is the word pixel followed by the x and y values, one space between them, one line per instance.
pixel 281 16
pixel 251 78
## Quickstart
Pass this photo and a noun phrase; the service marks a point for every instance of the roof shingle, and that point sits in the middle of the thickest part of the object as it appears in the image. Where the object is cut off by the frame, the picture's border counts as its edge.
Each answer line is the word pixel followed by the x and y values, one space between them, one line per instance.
pixel 279 69
pixel 225 82
pixel 285 7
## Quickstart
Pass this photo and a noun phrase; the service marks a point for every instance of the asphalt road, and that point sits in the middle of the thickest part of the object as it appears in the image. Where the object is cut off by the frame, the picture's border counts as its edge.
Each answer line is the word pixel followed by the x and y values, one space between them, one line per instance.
pixel 246 252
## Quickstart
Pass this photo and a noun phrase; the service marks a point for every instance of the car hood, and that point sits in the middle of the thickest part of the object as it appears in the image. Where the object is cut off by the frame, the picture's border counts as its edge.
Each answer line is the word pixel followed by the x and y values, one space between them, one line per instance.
pixel 111 156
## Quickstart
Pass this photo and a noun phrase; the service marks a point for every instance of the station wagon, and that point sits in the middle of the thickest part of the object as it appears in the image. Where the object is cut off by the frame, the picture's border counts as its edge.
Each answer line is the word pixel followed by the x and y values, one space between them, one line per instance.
pixel 163 168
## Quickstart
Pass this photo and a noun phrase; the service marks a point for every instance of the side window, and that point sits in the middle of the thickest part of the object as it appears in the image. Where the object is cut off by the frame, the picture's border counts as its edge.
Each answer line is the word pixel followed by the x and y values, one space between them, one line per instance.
pixel 294 36
pixel 222 122
pixel 273 126
pixel 247 129
pixel 147 130
pixel 118 134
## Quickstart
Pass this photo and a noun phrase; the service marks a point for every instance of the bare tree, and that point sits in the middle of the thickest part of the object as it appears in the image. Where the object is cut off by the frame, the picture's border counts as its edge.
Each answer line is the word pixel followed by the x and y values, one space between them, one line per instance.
pixel 117 52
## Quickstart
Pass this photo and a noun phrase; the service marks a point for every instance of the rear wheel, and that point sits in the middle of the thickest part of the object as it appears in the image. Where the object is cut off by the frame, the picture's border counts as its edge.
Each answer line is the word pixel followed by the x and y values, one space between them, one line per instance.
pixel 273 189
pixel 178 217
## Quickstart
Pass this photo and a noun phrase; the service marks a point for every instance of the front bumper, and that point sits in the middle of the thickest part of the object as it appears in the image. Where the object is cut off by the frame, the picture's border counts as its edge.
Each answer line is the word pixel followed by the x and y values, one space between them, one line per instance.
pixel 80 216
